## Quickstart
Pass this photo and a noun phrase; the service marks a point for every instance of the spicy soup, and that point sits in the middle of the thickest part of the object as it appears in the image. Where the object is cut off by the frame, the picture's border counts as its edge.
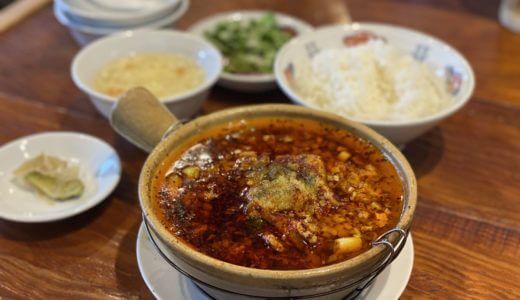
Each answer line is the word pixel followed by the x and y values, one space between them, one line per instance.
pixel 279 194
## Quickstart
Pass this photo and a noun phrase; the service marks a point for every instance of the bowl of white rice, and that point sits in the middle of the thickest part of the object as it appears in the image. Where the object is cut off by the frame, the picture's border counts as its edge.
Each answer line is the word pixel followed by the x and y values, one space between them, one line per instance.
pixel 398 81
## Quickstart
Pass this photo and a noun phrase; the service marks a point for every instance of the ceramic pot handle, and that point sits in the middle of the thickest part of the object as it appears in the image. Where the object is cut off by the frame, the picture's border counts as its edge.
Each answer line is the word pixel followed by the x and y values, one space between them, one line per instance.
pixel 141 118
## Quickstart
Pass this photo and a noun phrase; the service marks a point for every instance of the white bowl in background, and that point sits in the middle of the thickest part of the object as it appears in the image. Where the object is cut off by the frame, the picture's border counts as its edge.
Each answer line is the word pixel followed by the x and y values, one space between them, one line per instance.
pixel 248 82
pixel 84 34
pixel 99 169
pixel 92 58
pixel 443 58
pixel 120 25
pixel 117 13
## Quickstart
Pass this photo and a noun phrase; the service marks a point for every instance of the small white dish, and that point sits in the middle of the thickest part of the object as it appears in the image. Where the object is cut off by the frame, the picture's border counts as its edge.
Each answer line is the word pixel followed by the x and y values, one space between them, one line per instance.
pixel 167 283
pixel 248 82
pixel 445 61
pixel 100 171
pixel 84 33
pixel 94 57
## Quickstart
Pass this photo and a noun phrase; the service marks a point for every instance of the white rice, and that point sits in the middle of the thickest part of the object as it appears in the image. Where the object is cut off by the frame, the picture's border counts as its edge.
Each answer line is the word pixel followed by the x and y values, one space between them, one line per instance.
pixel 373 81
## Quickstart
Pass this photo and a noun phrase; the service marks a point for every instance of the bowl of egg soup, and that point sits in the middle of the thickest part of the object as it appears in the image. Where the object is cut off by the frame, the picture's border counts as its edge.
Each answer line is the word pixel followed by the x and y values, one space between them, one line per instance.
pixel 178 68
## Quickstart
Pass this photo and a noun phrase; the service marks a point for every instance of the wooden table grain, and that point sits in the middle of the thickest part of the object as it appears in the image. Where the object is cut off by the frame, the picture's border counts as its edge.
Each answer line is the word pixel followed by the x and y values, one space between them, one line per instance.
pixel 467 225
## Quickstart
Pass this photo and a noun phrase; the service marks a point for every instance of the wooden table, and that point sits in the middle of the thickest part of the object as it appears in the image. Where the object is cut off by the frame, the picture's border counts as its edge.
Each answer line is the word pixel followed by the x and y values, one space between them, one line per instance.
pixel 467 225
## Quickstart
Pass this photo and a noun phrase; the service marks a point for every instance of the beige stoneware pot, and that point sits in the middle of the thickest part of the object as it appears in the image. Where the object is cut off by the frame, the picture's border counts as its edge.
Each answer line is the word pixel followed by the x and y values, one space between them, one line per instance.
pixel 143 120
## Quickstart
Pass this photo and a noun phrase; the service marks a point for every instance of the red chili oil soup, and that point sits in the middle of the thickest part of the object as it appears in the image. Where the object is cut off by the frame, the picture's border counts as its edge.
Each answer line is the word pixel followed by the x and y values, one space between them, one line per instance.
pixel 279 194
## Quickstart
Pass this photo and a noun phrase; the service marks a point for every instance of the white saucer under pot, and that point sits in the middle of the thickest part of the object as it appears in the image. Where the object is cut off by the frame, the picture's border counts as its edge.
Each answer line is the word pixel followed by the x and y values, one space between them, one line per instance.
pixel 165 282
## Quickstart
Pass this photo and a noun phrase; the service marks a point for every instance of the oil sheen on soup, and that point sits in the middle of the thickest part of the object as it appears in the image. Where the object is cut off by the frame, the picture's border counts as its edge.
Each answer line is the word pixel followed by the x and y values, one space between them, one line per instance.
pixel 279 194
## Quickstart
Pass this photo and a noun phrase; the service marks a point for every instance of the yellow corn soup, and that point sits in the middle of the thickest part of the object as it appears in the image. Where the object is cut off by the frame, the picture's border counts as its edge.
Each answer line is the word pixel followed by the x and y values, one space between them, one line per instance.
pixel 164 74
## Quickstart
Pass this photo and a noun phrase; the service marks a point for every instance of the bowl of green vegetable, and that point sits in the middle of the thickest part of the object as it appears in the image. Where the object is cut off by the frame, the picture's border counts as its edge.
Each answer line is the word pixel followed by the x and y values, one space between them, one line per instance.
pixel 249 42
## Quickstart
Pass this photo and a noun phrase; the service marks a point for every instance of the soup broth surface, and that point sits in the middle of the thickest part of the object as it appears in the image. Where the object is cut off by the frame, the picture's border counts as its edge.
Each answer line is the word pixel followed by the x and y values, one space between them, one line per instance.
pixel 278 194
pixel 164 74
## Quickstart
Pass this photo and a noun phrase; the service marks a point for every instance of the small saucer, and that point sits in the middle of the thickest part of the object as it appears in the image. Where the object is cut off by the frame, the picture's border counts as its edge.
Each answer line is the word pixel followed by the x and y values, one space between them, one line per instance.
pixel 99 165
pixel 167 283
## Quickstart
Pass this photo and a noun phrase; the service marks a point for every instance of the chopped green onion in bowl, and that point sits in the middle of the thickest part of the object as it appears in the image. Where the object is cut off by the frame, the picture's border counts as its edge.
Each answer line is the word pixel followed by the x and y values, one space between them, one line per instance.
pixel 249 47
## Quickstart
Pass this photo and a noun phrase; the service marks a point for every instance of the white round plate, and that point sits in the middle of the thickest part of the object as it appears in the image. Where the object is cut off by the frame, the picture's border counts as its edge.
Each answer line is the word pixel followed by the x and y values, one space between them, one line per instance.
pixel 248 82
pixel 167 283
pixel 100 171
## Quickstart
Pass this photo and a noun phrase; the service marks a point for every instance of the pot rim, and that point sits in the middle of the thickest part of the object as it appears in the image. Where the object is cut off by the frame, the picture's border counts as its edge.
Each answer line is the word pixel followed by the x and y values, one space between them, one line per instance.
pixel 181 248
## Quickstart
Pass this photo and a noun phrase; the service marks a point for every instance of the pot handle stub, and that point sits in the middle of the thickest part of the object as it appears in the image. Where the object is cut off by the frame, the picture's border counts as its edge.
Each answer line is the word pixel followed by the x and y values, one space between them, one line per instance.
pixel 141 118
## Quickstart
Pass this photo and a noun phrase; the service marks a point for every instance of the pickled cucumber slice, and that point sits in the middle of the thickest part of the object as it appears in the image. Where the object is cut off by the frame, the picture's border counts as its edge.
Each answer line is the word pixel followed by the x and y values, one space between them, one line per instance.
pixel 54 188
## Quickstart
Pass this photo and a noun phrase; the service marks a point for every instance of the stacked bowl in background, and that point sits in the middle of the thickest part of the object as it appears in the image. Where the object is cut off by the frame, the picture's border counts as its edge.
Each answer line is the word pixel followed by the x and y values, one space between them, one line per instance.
pixel 91 19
